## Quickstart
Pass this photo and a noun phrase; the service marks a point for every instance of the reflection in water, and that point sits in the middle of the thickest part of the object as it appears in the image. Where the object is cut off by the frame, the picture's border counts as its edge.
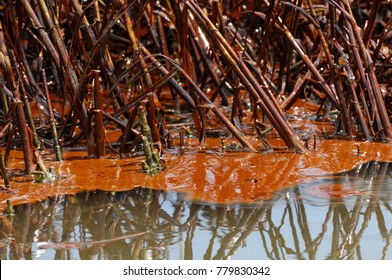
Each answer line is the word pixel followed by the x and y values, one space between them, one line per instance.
pixel 344 216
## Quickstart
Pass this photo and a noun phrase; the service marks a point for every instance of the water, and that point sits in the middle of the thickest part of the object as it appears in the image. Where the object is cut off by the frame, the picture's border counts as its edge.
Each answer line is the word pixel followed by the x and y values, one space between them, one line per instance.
pixel 341 216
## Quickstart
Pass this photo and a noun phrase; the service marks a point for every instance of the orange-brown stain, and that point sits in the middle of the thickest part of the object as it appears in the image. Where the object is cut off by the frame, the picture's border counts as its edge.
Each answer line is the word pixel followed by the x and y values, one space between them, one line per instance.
pixel 209 175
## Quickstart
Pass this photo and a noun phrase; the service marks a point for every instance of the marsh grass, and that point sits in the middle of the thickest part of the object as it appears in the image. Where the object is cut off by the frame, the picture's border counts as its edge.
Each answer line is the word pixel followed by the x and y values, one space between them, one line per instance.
pixel 97 61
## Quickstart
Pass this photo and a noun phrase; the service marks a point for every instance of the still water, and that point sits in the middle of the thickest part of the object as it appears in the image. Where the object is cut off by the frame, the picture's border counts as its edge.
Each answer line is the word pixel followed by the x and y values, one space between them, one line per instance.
pixel 341 216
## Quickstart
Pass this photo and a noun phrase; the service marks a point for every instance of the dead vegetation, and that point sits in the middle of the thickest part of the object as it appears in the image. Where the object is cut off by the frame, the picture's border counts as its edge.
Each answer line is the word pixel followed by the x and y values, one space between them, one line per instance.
pixel 72 70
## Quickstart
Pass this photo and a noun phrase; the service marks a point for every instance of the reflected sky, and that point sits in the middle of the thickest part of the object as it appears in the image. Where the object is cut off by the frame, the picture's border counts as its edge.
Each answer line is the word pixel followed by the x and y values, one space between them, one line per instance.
pixel 340 216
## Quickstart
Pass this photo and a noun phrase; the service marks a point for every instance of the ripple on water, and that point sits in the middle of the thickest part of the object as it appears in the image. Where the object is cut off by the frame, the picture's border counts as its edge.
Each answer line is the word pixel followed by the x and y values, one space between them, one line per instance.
pixel 365 183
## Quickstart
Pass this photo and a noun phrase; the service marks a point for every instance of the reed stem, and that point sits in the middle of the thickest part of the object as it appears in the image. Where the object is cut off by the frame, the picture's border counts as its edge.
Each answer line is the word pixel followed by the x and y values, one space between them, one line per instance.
pixel 99 131
pixel 4 171
pixel 52 121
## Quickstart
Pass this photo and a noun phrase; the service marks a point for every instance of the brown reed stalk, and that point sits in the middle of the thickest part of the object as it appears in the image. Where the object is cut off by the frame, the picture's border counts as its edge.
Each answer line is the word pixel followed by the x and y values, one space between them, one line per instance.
pixel 162 36
pixel 277 22
pixel 209 105
pixel 5 65
pixel 6 96
pixel 343 101
pixel 172 81
pixel 99 130
pixel 381 41
pixel 153 108
pixel 59 60
pixel 4 171
pixel 52 121
pixel 135 44
pixel 155 87
pixel 367 71
pixel 367 33
pixel 210 67
pixel 27 108
pixel 127 133
pixel 45 39
pixel 105 62
pixel 268 106
pixel 307 61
